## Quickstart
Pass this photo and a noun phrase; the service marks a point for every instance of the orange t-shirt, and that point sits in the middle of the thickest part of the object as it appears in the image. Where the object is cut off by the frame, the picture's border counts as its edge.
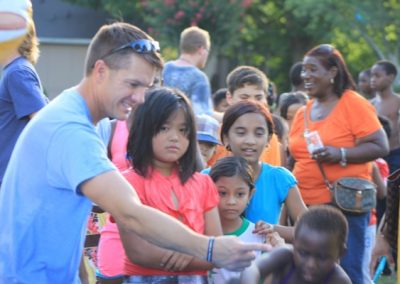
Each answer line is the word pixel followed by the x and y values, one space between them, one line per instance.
pixel 352 118
pixel 271 154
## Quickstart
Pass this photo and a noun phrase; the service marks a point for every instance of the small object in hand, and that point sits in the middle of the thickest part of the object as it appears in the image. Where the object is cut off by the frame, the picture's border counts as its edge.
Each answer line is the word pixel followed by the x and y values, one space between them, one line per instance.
pixel 313 140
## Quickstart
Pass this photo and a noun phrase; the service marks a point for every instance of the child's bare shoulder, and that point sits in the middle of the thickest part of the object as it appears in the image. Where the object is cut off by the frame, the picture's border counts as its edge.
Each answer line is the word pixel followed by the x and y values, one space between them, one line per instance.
pixel 285 251
pixel 277 259
pixel 339 276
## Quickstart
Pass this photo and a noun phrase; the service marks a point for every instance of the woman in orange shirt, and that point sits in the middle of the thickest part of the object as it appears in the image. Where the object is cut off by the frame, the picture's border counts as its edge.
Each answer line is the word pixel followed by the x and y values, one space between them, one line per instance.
pixel 351 136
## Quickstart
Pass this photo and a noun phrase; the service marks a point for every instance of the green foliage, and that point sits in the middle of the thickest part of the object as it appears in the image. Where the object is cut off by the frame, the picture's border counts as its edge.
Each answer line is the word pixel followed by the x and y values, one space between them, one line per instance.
pixel 165 19
pixel 366 29
pixel 222 19
pixel 122 10
pixel 273 34
pixel 272 40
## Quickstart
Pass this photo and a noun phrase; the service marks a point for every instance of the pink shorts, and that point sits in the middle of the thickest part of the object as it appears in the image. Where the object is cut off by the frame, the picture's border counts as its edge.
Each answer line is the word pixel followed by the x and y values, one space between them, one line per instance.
pixel 110 252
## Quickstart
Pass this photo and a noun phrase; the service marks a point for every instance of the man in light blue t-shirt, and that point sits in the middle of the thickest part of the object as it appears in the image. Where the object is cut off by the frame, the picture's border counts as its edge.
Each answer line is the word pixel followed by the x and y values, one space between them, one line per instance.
pixel 59 167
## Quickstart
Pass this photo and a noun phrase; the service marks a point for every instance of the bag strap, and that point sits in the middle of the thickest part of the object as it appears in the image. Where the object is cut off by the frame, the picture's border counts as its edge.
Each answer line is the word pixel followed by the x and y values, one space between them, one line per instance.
pixel 321 168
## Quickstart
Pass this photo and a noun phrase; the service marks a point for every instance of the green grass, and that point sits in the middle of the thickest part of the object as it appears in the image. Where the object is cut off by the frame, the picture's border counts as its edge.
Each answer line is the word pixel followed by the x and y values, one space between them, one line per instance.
pixel 387 279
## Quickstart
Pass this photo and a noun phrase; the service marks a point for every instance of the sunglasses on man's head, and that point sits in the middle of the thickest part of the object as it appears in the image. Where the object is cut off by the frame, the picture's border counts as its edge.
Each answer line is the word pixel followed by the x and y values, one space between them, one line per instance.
pixel 141 46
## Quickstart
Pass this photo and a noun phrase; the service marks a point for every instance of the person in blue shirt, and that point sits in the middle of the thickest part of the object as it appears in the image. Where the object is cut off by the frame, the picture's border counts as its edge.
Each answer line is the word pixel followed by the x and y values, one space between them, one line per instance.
pixel 246 129
pixel 185 72
pixel 21 94
pixel 14 16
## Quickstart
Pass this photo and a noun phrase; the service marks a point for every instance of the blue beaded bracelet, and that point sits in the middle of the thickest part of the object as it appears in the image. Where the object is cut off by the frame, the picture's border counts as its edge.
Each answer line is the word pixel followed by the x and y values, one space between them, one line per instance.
pixel 210 249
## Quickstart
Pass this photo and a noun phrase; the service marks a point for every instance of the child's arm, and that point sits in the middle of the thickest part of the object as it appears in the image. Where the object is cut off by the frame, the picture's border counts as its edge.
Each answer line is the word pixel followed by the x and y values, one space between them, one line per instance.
pixel 271 236
pixel 285 232
pixel 275 240
pixel 145 254
pixel 212 223
pixel 377 179
pixel 212 228
pixel 295 204
pixel 141 252
pixel 267 264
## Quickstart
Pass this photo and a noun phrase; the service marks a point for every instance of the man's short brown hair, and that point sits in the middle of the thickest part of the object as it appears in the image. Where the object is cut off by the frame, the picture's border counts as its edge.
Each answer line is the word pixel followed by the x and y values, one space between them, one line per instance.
pixel 193 38
pixel 115 35
pixel 246 75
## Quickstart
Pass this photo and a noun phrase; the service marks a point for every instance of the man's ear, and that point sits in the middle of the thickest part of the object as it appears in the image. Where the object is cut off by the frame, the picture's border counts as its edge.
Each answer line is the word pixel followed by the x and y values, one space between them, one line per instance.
pixel 100 70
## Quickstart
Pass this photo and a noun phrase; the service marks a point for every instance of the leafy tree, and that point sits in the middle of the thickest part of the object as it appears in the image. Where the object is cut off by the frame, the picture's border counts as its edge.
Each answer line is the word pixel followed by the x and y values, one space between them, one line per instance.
pixel 270 35
pixel 165 19
pixel 273 39
pixel 365 31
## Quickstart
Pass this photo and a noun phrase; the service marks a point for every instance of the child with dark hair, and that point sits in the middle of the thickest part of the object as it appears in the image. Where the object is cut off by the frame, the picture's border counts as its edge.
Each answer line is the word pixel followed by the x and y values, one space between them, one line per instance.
pixel 219 100
pixel 272 95
pixel 162 149
pixel 295 77
pixel 290 104
pixel 235 184
pixel 246 130
pixel 319 241
pixel 387 104
pixel 207 136
pixel 247 83
pixel 364 84
pixel 281 129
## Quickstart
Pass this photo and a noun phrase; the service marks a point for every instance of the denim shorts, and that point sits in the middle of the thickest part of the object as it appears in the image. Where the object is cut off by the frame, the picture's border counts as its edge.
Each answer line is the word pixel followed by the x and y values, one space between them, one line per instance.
pixel 167 279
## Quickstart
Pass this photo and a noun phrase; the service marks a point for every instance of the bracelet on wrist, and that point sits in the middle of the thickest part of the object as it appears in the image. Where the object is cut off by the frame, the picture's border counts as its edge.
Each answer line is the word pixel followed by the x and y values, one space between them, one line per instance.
pixel 210 249
pixel 343 159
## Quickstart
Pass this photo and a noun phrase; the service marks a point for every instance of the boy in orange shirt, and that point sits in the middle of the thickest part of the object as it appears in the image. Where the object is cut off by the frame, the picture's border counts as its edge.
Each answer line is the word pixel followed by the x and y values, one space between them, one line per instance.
pixel 249 83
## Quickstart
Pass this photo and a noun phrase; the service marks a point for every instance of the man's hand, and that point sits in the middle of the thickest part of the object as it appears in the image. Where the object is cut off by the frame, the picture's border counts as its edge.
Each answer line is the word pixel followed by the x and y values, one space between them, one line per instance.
pixel 231 253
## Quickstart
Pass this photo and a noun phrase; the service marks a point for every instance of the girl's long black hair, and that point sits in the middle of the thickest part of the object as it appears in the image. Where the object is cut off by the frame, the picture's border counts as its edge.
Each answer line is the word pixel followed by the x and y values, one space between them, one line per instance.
pixel 160 104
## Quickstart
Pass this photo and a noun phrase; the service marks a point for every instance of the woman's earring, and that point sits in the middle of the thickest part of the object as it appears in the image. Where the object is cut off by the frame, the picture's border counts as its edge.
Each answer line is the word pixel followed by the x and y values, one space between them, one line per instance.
pixel 332 81
pixel 228 148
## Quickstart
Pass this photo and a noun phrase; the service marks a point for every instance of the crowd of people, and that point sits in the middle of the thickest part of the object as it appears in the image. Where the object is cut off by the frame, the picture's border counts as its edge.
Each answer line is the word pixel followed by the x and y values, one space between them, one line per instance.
pixel 140 174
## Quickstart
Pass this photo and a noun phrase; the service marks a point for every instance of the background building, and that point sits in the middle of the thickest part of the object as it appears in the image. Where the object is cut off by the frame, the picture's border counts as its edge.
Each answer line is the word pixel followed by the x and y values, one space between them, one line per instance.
pixel 64 31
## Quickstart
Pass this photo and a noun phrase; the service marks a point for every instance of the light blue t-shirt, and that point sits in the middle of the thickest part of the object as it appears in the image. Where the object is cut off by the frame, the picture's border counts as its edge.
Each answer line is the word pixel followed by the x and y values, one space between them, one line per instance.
pixel 193 82
pixel 272 187
pixel 43 213
pixel 103 128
